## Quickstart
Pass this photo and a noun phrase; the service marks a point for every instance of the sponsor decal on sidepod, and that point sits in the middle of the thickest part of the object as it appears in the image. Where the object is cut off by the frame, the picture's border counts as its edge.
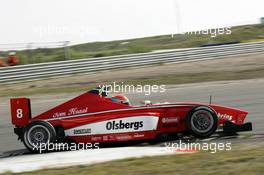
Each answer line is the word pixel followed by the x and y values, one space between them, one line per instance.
pixel 120 125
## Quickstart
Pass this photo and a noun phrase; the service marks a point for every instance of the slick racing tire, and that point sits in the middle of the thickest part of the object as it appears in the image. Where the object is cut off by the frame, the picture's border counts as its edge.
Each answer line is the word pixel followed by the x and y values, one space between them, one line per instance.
pixel 37 135
pixel 201 121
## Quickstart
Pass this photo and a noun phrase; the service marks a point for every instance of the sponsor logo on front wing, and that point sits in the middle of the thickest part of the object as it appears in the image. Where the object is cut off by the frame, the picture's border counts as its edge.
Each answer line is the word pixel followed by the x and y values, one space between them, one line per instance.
pixel 119 125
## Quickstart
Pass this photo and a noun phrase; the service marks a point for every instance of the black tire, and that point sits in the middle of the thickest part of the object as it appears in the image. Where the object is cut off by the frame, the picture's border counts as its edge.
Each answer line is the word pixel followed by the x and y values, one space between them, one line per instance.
pixel 37 134
pixel 201 121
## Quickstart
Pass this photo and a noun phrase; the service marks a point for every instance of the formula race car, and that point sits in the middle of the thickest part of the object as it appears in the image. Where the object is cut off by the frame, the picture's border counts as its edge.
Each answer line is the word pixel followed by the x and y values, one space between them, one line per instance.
pixel 95 117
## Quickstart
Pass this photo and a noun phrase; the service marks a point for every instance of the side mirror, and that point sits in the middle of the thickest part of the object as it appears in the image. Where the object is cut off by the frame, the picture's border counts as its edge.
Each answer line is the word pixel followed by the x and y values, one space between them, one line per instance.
pixel 146 102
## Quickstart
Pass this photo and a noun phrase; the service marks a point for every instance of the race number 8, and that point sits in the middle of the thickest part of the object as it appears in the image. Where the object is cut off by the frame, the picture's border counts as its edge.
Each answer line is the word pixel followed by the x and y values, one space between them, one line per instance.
pixel 19 113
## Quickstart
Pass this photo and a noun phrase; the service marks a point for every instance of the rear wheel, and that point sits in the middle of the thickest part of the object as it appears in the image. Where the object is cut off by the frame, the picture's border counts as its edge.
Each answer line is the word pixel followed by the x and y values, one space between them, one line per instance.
pixel 37 135
pixel 201 121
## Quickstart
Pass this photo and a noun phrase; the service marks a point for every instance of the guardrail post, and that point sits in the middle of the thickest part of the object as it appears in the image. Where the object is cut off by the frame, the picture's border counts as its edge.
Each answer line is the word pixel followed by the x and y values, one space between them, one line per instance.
pixel 66 50
pixel 29 46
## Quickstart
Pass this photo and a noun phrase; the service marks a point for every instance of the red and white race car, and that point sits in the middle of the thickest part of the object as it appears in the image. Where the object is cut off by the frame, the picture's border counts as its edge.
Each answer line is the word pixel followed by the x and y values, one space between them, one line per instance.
pixel 94 117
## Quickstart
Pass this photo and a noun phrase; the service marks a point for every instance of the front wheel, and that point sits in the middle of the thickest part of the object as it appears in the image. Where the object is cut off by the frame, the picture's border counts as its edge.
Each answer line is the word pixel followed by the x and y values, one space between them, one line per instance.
pixel 37 135
pixel 201 121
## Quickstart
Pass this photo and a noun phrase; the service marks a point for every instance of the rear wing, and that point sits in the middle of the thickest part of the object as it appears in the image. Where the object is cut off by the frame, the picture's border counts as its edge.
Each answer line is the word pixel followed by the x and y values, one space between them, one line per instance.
pixel 20 111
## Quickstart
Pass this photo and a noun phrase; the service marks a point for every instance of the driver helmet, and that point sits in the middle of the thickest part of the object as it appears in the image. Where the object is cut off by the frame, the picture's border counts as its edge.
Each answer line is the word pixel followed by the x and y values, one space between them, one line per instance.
pixel 121 99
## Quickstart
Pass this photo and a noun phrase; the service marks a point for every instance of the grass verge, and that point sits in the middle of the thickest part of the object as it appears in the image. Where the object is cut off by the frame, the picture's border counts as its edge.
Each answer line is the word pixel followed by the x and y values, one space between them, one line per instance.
pixel 239 160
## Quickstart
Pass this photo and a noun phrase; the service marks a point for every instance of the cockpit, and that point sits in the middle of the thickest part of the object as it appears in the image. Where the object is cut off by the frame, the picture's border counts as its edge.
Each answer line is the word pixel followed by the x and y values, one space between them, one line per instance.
pixel 102 91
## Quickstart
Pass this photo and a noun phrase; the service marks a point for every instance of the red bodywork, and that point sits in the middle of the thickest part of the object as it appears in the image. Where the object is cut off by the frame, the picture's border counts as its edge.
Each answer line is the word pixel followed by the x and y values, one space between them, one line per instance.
pixel 93 118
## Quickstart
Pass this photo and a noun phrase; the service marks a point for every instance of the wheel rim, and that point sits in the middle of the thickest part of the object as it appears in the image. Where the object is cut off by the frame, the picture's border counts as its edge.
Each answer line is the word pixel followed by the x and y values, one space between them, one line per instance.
pixel 202 121
pixel 38 135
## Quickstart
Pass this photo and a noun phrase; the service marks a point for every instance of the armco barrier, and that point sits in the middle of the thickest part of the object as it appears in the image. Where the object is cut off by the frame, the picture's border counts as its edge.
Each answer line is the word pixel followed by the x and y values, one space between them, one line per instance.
pixel 62 68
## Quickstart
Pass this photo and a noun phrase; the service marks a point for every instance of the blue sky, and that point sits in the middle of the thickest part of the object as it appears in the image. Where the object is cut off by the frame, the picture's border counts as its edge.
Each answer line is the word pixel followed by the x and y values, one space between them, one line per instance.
pixel 82 21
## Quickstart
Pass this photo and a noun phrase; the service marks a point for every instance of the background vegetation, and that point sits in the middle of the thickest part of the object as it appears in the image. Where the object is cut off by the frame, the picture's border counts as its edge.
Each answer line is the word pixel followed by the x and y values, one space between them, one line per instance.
pixel 247 33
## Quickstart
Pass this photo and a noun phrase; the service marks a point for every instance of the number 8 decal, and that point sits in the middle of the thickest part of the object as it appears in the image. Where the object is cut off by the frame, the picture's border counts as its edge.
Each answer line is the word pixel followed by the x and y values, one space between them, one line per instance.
pixel 19 113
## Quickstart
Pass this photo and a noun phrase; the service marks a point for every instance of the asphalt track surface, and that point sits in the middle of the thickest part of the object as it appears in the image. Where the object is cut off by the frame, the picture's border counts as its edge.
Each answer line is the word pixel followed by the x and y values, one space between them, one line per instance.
pixel 244 94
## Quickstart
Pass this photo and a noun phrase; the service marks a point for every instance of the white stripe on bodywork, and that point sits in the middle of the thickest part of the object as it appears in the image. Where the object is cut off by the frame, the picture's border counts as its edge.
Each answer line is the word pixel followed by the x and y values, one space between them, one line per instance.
pixel 115 110
pixel 149 123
